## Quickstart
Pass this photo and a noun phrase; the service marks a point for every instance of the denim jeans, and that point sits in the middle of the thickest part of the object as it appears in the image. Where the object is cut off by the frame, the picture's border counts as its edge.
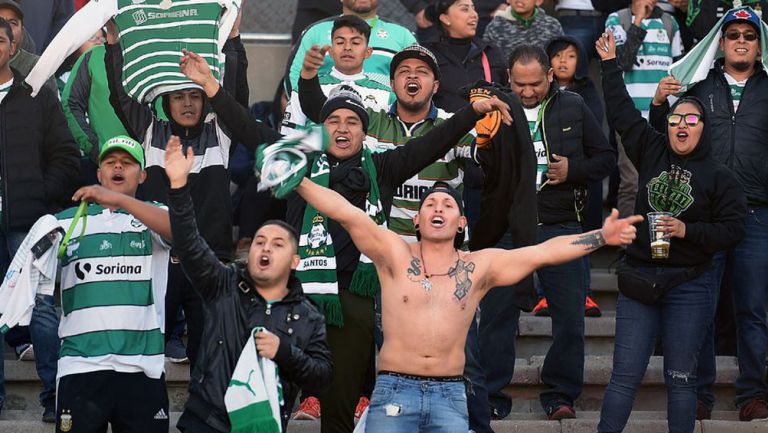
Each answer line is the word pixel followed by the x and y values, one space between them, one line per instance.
pixel 477 393
pixel 749 272
pixel 43 328
pixel 681 318
pixel 584 29
pixel 407 405
pixel 707 369
pixel 496 332
pixel 563 369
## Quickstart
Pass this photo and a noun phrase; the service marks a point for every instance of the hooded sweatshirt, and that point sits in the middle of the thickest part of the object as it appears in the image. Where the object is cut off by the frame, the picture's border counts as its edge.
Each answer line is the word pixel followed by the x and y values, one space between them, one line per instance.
pixel 696 189
pixel 581 84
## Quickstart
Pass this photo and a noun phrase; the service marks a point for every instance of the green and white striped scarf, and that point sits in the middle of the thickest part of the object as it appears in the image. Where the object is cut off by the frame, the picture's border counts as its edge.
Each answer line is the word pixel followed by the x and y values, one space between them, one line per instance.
pixel 695 65
pixel 317 268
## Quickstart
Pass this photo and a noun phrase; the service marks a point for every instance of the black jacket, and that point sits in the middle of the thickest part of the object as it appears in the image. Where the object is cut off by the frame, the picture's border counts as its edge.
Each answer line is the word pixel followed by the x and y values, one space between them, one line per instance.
pixel 213 145
pixel 709 12
pixel 582 84
pixel 40 161
pixel 570 129
pixel 233 308
pixel 456 73
pixel 708 198
pixel 739 139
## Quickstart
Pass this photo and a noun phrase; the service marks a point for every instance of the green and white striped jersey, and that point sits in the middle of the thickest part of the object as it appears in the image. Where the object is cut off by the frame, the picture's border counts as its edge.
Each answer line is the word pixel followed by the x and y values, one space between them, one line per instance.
pixel 113 283
pixel 152 35
pixel 737 89
pixel 542 157
pixel 385 132
pixel 373 94
pixel 654 57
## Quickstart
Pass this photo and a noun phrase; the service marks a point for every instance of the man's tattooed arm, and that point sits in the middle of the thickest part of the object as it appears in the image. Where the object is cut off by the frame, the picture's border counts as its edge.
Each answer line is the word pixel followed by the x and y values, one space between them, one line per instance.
pixel 590 241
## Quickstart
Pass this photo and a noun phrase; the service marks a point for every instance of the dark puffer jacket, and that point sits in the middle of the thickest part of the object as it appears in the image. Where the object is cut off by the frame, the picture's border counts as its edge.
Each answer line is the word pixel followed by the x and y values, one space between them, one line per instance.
pixel 40 160
pixel 738 139
pixel 233 308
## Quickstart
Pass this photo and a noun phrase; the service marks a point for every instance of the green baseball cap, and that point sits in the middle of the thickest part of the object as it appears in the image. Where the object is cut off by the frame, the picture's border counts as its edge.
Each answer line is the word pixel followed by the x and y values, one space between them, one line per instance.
pixel 124 143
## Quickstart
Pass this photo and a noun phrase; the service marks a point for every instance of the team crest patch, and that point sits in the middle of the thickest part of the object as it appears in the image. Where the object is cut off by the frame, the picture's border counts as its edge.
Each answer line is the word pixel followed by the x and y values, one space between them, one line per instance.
pixel 382 34
pixel 317 237
pixel 136 223
pixel 671 191
pixel 65 421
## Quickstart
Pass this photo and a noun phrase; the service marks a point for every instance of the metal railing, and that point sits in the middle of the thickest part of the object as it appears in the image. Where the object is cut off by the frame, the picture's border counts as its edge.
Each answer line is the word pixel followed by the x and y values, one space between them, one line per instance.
pixel 266 38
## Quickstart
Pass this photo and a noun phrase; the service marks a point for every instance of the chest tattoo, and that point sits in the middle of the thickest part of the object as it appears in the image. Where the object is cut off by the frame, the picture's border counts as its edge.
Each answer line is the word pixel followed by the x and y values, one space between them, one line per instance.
pixel 463 282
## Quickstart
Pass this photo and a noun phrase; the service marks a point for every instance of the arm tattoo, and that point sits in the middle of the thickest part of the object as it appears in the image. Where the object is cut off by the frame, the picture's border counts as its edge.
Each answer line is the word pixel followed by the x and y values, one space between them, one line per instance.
pixel 591 241
pixel 463 282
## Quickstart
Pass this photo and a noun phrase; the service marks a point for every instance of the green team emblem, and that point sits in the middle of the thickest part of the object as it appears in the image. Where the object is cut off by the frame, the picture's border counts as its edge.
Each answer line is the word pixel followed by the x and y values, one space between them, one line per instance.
pixel 317 237
pixel 671 191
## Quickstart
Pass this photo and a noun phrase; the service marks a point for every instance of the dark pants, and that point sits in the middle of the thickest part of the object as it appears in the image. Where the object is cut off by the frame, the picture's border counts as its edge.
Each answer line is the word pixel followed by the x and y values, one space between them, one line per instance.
pixel 477 394
pixel 563 369
pixel 351 347
pixel 43 328
pixel 180 294
pixel 748 263
pixel 584 29
pixel 681 320
pixel 707 369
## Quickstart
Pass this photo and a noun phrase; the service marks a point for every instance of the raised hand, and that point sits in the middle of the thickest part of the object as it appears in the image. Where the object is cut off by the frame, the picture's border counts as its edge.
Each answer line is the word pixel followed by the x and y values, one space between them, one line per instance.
pixel 619 232
pixel 178 166
pixel 484 106
pixel 641 9
pixel 235 32
pixel 606 46
pixel 667 86
pixel 313 60
pixel 197 69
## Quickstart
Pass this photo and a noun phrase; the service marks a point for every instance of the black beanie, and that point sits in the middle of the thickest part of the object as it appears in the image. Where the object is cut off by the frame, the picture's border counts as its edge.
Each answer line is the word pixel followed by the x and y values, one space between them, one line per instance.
pixel 344 96
pixel 439 186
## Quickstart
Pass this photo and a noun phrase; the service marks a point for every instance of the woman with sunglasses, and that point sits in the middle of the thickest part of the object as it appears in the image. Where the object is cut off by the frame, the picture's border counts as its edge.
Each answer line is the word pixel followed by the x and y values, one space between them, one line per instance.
pixel 705 208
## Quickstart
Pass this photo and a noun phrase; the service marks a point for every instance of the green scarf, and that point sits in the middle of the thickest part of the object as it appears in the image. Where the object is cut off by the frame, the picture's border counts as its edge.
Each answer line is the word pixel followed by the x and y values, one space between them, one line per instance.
pixel 525 22
pixel 317 268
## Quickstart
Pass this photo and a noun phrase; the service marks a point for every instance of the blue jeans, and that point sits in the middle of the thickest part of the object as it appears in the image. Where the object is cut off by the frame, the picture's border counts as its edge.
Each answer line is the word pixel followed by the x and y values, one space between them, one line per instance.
pixel 407 405
pixel 748 263
pixel 43 328
pixel 707 369
pixel 681 318
pixel 563 369
pixel 584 29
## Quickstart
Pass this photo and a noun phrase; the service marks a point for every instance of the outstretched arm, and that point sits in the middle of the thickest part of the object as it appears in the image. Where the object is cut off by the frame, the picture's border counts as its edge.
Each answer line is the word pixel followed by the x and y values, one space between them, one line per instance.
pixel 510 266
pixel 376 242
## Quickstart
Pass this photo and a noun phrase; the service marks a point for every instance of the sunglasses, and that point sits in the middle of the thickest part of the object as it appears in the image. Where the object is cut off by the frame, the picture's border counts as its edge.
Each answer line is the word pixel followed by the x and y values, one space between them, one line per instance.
pixel 735 34
pixel 691 119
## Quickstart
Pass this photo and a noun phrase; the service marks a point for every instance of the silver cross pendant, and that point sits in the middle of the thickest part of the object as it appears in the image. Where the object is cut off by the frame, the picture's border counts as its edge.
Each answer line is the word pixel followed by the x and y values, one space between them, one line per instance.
pixel 426 284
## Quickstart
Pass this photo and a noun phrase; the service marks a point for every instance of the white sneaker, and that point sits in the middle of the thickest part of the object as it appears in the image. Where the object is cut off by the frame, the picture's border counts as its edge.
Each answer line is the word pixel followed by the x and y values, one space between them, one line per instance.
pixel 27 354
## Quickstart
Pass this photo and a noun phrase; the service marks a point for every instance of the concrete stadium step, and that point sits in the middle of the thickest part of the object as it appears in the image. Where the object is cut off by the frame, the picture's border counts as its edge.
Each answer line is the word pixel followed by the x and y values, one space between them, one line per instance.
pixel 639 422
pixel 535 335
pixel 605 288
pixel 526 385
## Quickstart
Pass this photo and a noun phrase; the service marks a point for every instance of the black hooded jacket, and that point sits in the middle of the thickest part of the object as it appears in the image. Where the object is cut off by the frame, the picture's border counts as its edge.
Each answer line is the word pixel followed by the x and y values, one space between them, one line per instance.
pixel 582 84
pixel 233 308
pixel 707 198
pixel 211 141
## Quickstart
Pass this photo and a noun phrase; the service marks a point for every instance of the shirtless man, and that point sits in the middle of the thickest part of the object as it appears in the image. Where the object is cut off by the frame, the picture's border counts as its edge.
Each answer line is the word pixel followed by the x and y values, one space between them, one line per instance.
pixel 430 291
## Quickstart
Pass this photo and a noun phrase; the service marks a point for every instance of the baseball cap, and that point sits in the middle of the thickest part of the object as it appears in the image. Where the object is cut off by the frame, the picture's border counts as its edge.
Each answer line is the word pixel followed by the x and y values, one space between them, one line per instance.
pixel 10 4
pixel 745 15
pixel 415 51
pixel 345 96
pixel 124 143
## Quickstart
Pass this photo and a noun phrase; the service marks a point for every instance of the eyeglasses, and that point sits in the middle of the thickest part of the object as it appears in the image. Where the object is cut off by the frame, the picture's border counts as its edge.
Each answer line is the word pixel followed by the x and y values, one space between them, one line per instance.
pixel 691 119
pixel 735 34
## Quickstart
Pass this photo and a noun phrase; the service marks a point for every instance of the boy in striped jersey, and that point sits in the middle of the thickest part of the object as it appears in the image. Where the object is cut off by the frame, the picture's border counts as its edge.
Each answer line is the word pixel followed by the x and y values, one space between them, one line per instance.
pixel 349 49
pixel 113 281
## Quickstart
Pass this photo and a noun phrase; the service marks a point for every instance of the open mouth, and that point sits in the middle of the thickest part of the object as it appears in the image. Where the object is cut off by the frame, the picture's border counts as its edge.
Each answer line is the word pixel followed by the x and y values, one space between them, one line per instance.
pixel 264 261
pixel 437 221
pixel 412 88
pixel 682 136
pixel 742 50
pixel 118 178
pixel 343 142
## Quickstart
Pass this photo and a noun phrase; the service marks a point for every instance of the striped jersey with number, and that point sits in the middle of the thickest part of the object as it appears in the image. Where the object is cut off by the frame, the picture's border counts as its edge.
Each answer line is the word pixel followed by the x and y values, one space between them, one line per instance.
pixel 113 283
pixel 386 131
pixel 654 57
pixel 737 89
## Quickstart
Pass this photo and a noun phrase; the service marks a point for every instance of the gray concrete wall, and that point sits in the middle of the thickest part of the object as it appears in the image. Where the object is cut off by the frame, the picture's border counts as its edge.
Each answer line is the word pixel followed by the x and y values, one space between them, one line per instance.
pixel 266 65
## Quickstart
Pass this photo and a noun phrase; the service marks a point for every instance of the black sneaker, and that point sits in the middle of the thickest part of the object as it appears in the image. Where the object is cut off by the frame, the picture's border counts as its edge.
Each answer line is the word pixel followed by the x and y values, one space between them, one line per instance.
pixel 49 414
pixel 176 352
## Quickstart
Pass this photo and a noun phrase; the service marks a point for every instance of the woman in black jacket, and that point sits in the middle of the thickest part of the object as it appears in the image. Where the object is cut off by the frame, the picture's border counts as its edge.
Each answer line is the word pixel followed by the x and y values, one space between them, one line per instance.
pixel 462 56
pixel 677 175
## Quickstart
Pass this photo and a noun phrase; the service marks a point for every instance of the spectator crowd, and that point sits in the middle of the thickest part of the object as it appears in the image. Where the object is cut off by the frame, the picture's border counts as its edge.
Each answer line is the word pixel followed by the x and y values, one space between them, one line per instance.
pixel 359 250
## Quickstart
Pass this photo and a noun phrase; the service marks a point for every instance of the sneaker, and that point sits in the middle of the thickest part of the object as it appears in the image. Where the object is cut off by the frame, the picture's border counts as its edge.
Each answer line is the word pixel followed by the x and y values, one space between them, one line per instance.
pixel 25 352
pixel 591 309
pixel 541 309
pixel 309 410
pixel 561 412
pixel 49 415
pixel 176 352
pixel 362 404
pixel 756 409
pixel 702 411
